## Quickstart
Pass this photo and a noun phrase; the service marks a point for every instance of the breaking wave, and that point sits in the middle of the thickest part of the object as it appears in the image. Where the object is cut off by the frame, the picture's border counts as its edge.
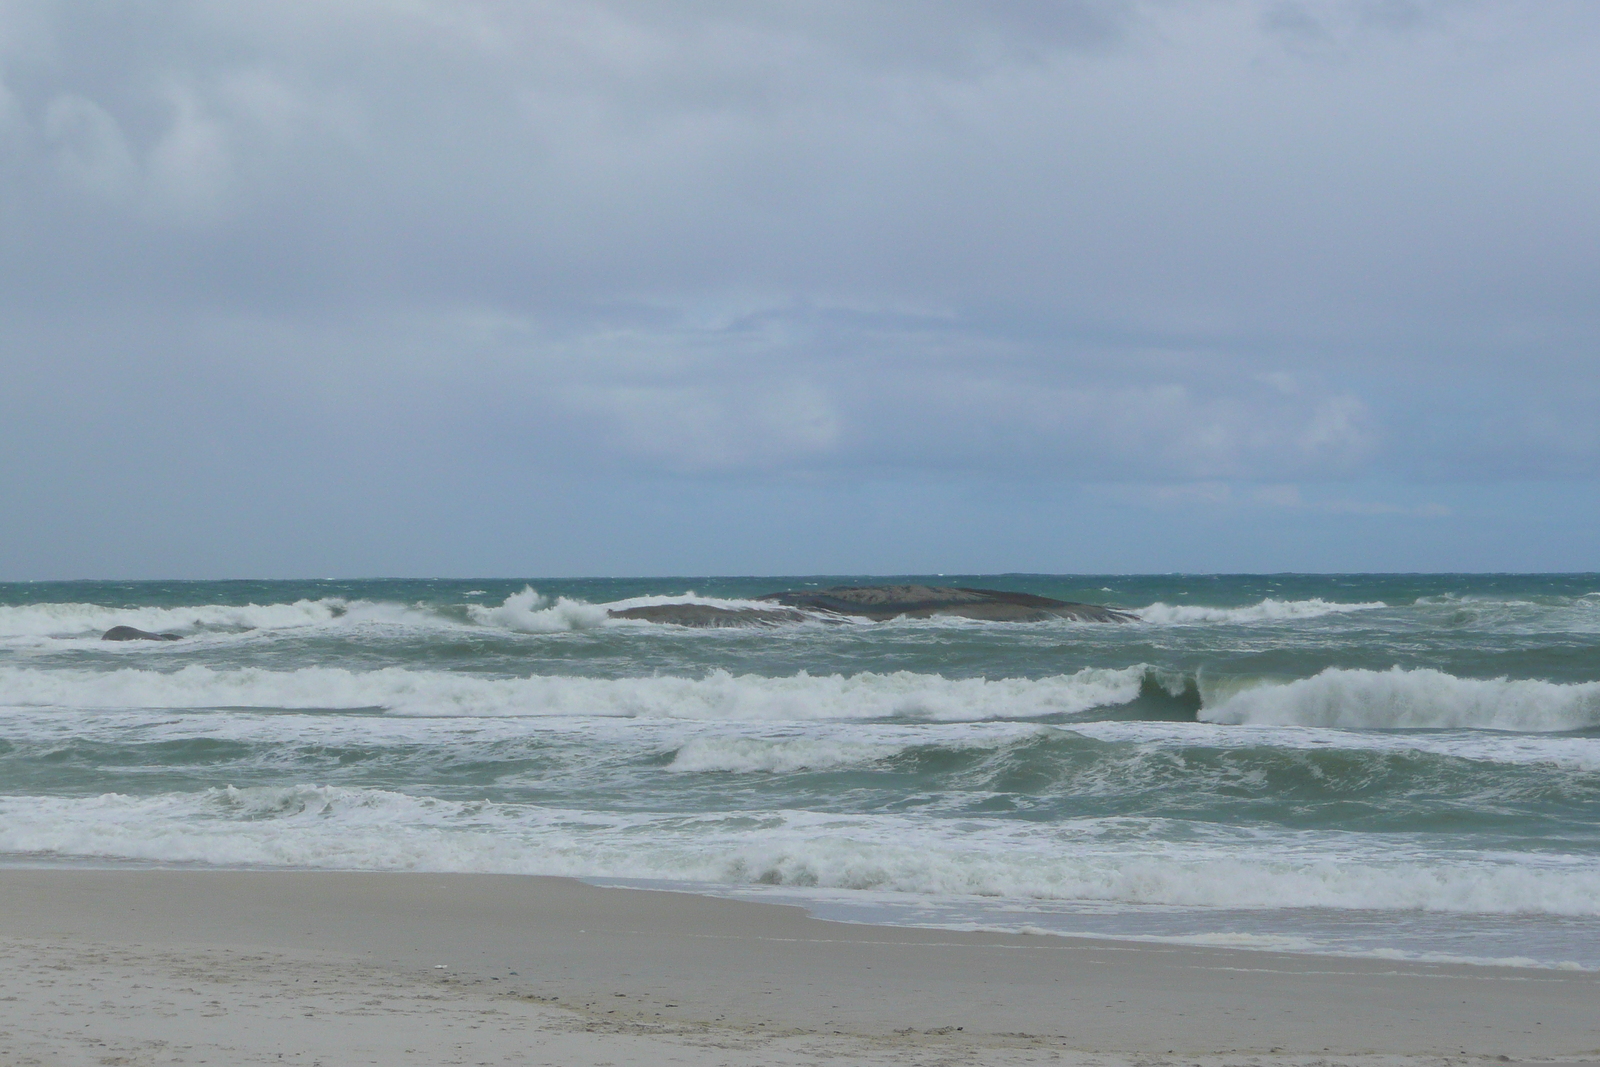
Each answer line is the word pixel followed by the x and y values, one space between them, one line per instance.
pixel 527 611
pixel 1269 610
pixel 1335 698
pixel 90 620
pixel 719 695
pixel 1408 699
pixel 374 829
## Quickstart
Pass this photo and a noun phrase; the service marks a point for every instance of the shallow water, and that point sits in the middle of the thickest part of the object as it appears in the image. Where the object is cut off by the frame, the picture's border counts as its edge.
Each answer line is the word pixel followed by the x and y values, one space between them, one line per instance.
pixel 1403 765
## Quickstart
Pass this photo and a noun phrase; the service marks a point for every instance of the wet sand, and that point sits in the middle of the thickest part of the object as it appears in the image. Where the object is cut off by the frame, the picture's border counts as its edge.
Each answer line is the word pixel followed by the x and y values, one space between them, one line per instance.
pixel 158 967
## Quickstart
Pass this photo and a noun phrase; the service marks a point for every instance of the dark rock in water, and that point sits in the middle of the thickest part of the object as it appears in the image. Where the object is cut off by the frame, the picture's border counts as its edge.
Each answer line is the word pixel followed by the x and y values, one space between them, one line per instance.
pixel 130 633
pixel 877 602
pixel 920 601
pixel 709 615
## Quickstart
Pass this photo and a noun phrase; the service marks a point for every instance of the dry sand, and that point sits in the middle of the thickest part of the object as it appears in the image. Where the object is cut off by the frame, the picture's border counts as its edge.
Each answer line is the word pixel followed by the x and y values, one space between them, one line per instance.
pixel 165 967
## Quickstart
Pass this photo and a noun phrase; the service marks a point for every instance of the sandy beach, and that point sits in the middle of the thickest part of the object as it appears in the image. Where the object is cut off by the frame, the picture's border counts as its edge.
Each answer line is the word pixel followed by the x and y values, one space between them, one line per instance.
pixel 158 967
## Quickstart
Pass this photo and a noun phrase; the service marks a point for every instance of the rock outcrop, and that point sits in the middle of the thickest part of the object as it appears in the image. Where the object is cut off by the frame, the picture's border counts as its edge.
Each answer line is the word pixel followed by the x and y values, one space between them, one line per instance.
pixel 878 602
pixel 921 601
pixel 132 633
pixel 709 615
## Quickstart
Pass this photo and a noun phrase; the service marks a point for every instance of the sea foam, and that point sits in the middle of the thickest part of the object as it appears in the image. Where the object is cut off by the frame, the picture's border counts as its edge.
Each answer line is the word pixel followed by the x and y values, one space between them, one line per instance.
pixel 372 829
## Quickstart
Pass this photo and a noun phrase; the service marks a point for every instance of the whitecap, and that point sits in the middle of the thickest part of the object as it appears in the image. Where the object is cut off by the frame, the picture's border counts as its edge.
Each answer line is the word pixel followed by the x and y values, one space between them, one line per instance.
pixel 1408 699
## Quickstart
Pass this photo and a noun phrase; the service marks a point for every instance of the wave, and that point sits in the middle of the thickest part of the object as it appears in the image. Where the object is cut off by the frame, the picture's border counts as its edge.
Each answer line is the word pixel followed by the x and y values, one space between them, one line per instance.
pixel 749 755
pixel 530 612
pixel 527 612
pixel 1336 698
pixel 914 753
pixel 1407 699
pixel 719 695
pixel 1268 610
pixel 91 620
pixel 374 829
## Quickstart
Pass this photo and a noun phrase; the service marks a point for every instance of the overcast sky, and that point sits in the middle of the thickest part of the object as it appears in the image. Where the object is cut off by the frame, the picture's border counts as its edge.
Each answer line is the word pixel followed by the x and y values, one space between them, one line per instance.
pixel 414 287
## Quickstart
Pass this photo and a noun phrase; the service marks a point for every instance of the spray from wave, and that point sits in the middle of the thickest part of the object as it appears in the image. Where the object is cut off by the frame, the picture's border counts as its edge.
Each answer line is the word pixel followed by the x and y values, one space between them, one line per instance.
pixel 528 612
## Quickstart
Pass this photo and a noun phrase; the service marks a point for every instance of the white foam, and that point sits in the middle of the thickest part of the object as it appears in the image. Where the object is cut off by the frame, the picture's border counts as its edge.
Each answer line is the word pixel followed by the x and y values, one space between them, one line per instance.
pixel 1570 753
pixel 749 755
pixel 1268 610
pixel 1087 860
pixel 79 620
pixel 528 612
pixel 718 695
pixel 1409 699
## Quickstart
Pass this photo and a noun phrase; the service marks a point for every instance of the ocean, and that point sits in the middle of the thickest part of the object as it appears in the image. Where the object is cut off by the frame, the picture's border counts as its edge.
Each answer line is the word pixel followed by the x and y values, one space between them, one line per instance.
pixel 1390 765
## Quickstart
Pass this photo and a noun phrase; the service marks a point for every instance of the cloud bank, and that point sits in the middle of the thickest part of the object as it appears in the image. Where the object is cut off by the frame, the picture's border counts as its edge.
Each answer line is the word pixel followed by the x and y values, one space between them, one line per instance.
pixel 371 261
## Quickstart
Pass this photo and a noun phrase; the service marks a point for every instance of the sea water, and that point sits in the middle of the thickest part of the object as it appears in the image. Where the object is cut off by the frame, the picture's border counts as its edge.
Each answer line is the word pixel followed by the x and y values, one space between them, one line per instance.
pixel 1383 765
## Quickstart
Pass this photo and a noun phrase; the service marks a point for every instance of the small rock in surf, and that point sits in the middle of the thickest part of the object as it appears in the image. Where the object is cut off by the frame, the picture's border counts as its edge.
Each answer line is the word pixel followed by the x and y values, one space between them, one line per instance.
pixel 132 633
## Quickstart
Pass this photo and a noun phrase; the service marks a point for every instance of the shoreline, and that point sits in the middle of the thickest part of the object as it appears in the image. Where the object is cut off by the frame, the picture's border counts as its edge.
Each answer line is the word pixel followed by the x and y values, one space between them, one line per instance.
pixel 839 909
pixel 835 906
pixel 513 964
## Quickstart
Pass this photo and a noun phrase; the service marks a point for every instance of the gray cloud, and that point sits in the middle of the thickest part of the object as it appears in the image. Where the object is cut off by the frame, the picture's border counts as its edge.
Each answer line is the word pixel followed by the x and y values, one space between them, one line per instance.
pixel 1267 243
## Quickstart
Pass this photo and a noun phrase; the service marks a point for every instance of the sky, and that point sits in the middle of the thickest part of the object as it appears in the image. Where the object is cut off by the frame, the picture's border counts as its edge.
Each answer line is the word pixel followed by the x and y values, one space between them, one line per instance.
pixel 342 288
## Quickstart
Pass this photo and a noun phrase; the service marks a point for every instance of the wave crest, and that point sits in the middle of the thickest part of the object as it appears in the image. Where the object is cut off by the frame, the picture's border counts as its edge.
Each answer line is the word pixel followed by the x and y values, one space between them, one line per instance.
pixel 1409 699
pixel 1269 610
pixel 718 695
pixel 91 620
pixel 528 612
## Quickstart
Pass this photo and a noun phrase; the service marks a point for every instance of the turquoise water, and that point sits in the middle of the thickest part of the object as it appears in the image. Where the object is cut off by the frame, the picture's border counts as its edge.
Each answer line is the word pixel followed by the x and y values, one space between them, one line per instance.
pixel 1401 765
